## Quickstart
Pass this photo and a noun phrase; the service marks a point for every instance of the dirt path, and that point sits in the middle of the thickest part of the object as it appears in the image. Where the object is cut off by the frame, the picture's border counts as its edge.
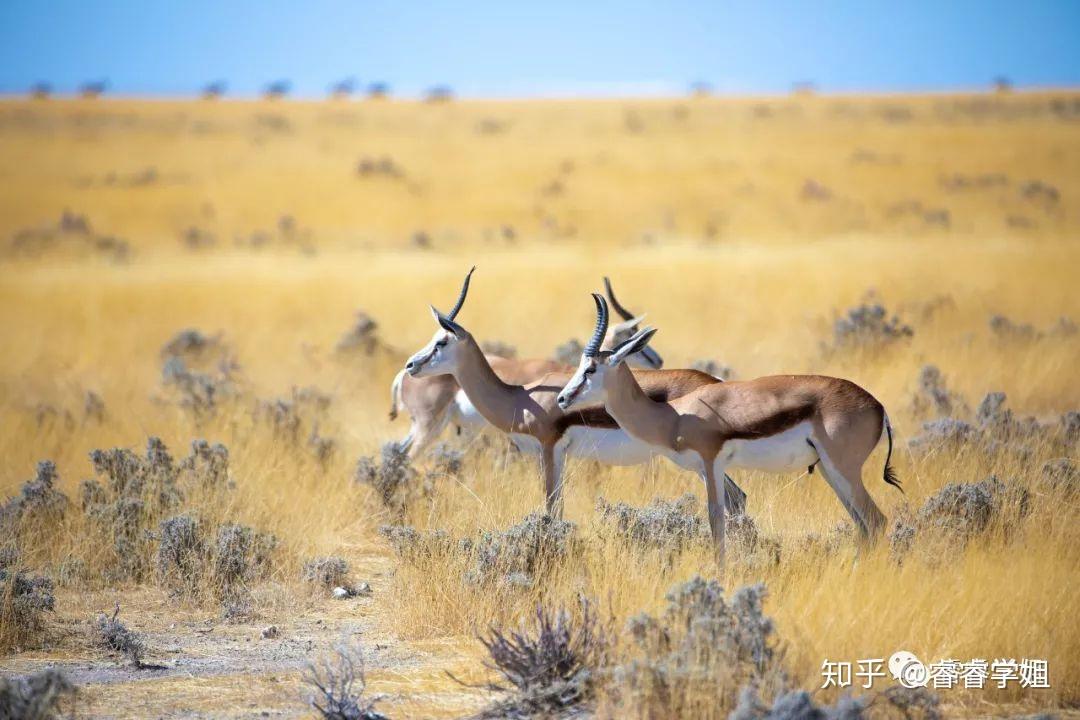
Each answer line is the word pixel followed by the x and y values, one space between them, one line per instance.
pixel 211 668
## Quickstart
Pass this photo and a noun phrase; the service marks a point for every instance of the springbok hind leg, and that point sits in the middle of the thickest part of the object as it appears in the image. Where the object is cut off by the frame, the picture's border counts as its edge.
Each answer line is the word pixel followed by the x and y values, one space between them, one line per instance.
pixel 872 517
pixel 422 433
pixel 734 497
pixel 845 478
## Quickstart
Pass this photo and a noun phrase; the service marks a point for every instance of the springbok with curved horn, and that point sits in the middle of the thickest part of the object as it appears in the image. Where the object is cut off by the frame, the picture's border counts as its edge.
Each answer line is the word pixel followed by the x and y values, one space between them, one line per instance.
pixel 777 424
pixel 531 414
pixel 437 402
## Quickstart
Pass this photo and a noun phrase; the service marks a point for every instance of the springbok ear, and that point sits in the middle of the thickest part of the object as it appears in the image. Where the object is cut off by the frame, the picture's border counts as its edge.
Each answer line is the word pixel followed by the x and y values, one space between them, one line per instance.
pixel 633 345
pixel 628 324
pixel 447 324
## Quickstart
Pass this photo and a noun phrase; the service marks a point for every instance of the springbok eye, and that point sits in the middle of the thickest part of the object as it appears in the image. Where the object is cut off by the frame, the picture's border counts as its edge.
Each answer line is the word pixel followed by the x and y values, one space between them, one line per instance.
pixel 441 343
pixel 590 370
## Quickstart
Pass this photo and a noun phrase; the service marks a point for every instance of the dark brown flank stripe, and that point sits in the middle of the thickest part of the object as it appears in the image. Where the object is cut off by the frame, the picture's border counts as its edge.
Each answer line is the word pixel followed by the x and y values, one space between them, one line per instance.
pixel 772 425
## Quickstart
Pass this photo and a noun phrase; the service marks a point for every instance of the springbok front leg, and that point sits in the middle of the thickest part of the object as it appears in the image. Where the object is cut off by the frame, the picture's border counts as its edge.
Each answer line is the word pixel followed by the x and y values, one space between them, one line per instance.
pixel 714 484
pixel 552 459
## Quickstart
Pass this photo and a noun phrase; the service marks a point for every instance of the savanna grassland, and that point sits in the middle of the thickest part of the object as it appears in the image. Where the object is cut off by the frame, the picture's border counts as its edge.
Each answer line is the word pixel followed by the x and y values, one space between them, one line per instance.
pixel 762 234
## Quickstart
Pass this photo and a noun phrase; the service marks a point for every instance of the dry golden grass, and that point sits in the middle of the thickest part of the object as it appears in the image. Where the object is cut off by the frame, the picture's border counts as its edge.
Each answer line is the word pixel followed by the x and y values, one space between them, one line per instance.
pixel 758 290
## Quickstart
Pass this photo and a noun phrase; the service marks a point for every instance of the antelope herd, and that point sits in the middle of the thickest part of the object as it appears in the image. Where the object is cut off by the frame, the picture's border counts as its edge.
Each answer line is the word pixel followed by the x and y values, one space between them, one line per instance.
pixel 617 407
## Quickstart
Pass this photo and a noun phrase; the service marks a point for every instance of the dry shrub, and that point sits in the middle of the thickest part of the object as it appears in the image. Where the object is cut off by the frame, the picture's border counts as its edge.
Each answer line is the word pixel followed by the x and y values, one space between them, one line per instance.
pixel 200 371
pixel 193 344
pixel 522 553
pixel 242 555
pixel 24 599
pixel 671 526
pixel 569 352
pixel 692 660
pixel 895 702
pixel 666 525
pixel 202 392
pixel 1001 428
pixel 795 705
pixel 39 502
pixel 943 433
pixel 933 395
pixel 287 417
pixel 911 703
pixel 1070 427
pixel 1006 330
pixel 445 460
pixel 196 562
pixel 139 491
pixel 338 685
pixel 113 635
pixel 42 696
pixel 516 557
pixel 839 537
pixel 499 348
pixel 959 512
pixel 551 667
pixel 181 555
pixel 327 572
pixel 1062 475
pixel 416 547
pixel 362 337
pixel 72 232
pixel 296 421
pixel 867 326
pixel 995 429
pixel 396 482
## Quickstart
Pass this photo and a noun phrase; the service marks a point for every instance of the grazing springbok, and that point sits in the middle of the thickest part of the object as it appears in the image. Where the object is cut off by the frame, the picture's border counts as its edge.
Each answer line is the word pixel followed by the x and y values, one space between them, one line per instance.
pixel 777 424
pixel 531 416
pixel 437 402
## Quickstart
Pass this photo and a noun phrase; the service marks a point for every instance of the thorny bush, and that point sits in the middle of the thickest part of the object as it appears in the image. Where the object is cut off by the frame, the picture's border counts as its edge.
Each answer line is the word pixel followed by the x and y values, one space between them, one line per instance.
pixel 551 667
pixel 338 685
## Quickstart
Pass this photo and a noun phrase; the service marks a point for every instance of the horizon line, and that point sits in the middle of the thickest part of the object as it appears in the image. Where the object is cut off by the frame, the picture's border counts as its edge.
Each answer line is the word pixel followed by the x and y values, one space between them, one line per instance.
pixel 425 97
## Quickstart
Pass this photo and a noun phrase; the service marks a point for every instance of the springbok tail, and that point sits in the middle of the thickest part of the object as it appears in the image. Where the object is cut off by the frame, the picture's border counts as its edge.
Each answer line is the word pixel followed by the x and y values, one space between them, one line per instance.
pixel 395 393
pixel 890 472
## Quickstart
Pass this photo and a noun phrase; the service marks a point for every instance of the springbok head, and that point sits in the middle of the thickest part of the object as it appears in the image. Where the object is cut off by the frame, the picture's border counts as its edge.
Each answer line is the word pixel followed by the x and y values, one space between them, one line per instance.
pixel 441 355
pixel 592 379
pixel 623 331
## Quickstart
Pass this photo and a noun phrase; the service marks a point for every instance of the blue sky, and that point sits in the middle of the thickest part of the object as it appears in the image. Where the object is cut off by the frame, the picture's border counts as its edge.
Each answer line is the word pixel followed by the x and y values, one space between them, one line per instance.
pixel 496 49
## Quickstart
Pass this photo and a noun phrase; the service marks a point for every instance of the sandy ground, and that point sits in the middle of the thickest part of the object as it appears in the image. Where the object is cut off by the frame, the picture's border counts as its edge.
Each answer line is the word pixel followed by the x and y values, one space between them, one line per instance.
pixel 209 667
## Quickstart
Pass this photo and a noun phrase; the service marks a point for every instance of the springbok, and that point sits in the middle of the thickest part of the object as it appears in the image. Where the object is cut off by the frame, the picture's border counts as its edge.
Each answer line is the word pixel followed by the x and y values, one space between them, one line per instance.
pixel 777 424
pixel 531 416
pixel 437 402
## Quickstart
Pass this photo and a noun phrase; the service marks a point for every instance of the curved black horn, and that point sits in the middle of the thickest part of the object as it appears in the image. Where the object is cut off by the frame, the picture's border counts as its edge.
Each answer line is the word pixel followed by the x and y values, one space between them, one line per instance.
pixel 461 298
pixel 593 348
pixel 626 314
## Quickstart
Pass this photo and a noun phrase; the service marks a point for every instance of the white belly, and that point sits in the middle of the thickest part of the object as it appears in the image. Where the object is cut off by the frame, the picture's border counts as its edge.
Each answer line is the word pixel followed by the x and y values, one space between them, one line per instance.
pixel 783 452
pixel 606 445
pixel 465 413
pixel 687 460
